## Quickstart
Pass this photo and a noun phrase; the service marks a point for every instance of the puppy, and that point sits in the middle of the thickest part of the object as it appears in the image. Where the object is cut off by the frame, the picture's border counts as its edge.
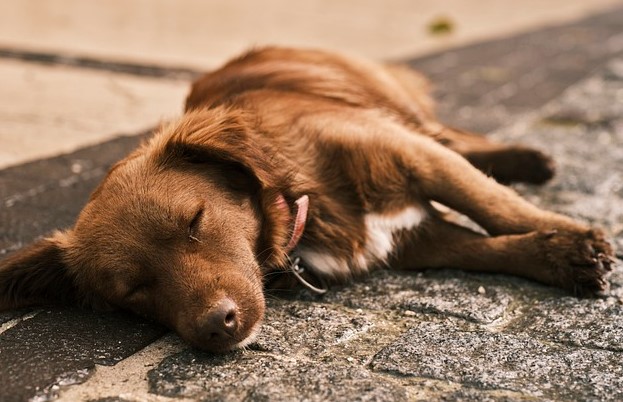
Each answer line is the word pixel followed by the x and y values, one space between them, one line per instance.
pixel 298 166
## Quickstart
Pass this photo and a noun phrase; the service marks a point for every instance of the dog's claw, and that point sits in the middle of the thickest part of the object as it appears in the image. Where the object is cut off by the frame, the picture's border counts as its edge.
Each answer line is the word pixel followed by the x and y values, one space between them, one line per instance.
pixel 581 260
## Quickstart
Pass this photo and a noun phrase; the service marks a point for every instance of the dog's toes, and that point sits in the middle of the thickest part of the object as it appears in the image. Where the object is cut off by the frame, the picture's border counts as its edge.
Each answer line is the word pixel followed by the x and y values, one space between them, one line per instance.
pixel 580 260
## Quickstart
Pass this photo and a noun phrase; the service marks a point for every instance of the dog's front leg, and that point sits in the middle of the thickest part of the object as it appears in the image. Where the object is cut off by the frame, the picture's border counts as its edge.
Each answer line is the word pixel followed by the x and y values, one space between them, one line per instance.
pixel 569 260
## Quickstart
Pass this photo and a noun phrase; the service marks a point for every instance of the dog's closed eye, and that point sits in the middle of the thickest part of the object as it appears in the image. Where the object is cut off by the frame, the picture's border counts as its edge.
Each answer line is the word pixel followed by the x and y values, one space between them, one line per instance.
pixel 194 226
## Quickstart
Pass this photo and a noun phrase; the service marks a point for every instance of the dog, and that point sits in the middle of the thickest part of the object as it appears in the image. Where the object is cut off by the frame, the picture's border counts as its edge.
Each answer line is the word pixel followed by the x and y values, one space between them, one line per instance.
pixel 298 166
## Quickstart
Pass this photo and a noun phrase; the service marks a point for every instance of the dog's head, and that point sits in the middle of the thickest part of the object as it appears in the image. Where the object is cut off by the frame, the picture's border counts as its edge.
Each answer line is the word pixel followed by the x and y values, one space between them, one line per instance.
pixel 178 231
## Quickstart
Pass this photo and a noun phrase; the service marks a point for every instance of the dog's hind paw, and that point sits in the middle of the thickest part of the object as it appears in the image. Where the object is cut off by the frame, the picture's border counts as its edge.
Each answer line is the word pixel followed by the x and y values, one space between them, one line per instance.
pixel 515 164
pixel 539 168
pixel 580 260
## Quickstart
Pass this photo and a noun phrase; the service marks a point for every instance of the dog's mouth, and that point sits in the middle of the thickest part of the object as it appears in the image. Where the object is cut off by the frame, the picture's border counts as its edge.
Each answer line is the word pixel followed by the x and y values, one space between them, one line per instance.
pixel 223 345
pixel 253 334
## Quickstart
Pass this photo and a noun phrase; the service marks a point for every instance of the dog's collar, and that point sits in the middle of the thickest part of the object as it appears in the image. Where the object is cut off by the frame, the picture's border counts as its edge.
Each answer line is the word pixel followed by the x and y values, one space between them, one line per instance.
pixel 296 264
pixel 300 219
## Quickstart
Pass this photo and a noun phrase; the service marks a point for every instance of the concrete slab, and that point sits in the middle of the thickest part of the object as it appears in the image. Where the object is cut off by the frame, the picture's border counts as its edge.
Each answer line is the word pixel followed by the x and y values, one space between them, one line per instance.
pixel 104 339
pixel 482 86
pixel 38 197
pixel 262 377
pixel 500 361
pixel 202 33
pixel 591 114
pixel 50 110
pixel 490 295
pixel 127 379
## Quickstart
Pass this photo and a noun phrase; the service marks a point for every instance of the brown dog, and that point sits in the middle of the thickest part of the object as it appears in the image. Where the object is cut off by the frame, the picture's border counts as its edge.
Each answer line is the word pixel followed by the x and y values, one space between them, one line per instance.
pixel 297 155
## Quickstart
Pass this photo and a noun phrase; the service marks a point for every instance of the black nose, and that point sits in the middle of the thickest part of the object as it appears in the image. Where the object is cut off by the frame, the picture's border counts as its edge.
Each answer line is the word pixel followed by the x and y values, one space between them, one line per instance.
pixel 221 321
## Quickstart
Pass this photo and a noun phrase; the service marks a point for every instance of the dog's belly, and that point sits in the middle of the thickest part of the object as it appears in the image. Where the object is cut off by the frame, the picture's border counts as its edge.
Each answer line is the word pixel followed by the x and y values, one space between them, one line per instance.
pixel 380 230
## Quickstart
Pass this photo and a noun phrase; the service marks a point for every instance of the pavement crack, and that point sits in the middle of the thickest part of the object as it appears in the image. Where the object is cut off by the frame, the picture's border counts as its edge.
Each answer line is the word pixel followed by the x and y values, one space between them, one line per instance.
pixel 90 63
pixel 14 199
pixel 11 323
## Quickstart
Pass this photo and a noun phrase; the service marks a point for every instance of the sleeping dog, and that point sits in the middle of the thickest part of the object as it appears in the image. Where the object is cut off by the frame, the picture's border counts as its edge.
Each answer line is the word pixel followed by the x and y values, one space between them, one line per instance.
pixel 304 167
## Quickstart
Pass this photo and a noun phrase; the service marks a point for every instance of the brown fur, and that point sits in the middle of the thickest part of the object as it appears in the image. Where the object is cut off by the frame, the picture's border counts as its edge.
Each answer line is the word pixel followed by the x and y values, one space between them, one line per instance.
pixel 190 224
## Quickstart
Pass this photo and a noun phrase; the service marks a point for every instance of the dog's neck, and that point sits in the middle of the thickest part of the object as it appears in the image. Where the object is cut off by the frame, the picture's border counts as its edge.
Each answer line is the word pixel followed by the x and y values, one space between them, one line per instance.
pixel 294 268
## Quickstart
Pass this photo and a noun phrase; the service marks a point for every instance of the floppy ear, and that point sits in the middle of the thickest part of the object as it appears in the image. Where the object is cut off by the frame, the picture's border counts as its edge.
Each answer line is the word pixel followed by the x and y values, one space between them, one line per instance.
pixel 223 135
pixel 36 274
pixel 228 136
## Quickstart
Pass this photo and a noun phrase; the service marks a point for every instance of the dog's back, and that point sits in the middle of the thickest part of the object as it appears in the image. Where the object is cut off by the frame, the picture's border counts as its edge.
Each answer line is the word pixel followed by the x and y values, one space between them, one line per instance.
pixel 325 76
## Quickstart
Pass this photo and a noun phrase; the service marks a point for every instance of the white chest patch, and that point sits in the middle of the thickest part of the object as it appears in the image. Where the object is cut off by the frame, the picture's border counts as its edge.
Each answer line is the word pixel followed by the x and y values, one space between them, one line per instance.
pixel 324 263
pixel 380 229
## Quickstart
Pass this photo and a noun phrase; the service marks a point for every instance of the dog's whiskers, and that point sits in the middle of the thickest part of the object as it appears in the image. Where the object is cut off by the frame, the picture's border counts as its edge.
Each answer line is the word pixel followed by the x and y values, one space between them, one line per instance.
pixel 261 254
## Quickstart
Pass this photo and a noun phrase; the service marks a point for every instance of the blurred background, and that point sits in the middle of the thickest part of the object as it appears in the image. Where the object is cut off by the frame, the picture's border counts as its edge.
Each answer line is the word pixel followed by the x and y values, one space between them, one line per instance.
pixel 49 108
pixel 202 33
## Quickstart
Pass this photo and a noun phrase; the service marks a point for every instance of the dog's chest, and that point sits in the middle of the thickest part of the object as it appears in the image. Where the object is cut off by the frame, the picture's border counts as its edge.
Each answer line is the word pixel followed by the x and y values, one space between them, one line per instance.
pixel 379 244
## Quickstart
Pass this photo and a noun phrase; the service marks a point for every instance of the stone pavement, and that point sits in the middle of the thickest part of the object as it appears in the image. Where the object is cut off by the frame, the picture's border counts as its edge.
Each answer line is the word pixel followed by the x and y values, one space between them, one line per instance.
pixel 435 335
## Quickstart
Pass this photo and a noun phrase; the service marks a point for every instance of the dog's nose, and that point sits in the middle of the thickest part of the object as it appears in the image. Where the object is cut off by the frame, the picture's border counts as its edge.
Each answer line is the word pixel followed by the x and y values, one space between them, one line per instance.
pixel 221 321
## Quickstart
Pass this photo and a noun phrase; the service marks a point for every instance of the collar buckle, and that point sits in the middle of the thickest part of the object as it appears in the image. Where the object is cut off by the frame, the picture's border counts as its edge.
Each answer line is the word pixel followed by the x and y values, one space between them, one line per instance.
pixel 297 268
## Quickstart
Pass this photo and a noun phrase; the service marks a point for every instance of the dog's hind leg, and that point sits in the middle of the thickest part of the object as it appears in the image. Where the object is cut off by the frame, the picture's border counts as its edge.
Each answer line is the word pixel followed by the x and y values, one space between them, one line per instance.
pixel 441 175
pixel 568 260
pixel 505 163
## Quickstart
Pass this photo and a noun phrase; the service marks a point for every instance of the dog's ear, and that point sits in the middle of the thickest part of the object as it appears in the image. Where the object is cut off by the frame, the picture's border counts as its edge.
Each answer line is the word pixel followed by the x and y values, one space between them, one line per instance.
pixel 222 136
pixel 37 274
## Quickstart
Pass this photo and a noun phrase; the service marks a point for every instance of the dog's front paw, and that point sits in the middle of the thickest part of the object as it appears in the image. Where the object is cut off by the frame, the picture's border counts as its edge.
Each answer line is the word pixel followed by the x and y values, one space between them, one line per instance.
pixel 580 260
